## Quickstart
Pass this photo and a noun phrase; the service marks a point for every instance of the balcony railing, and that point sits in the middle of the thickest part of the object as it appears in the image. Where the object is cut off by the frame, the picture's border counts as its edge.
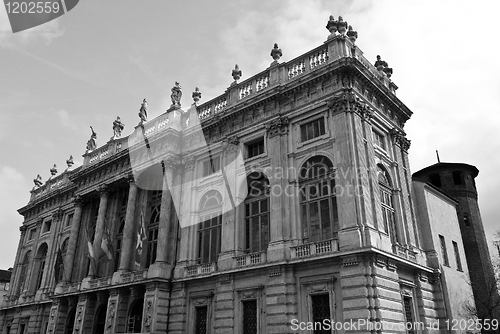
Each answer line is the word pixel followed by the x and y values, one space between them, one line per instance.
pixel 201 269
pixel 315 248
pixel 250 259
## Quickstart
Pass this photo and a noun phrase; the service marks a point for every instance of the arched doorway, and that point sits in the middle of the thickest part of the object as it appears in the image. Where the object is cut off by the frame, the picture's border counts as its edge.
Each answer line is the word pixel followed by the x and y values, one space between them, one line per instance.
pixel 134 320
pixel 70 322
pixel 100 320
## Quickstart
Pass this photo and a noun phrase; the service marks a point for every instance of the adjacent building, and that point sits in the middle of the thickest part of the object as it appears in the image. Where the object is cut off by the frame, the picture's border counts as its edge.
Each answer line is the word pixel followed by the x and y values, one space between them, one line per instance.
pixel 284 205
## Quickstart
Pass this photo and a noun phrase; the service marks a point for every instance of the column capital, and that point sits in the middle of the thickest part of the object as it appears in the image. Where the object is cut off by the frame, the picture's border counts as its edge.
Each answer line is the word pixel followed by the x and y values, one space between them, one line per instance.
pixel 22 229
pixel 188 162
pixel 277 127
pixel 78 200
pixel 170 163
pixel 130 179
pixel 103 190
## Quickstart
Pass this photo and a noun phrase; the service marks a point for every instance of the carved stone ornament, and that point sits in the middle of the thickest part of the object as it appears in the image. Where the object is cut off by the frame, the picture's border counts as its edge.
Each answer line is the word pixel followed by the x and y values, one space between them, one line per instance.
pixel 196 95
pixel 276 52
pixel 58 215
pixel 331 25
pixel 149 314
pixel 236 73
pixel 341 26
pixel 278 126
pixel 111 318
pixel 383 67
pixel 353 35
pixel 170 162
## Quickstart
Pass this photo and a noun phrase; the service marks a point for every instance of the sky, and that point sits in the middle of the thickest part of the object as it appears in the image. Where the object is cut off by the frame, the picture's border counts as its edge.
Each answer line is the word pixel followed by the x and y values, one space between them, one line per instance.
pixel 101 59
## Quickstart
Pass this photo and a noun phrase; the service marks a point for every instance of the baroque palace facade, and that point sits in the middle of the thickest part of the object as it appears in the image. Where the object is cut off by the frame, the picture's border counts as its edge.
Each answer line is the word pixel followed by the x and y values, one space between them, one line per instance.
pixel 283 202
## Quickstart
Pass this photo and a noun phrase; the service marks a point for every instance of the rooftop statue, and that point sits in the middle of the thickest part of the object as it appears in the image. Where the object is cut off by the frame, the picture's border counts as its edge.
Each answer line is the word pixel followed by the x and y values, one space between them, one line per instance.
pixel 276 53
pixel 176 95
pixel 143 112
pixel 70 162
pixel 353 35
pixel 236 73
pixel 380 64
pixel 91 145
pixel 38 181
pixel 196 95
pixel 53 170
pixel 117 128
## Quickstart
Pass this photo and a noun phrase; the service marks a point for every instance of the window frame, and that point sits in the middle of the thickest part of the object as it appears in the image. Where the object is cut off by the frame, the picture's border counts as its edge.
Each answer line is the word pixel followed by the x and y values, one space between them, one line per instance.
pixel 206 225
pixel 321 127
pixel 253 141
pixel 444 251
pixel 250 217
pixel 458 260
pixel 211 165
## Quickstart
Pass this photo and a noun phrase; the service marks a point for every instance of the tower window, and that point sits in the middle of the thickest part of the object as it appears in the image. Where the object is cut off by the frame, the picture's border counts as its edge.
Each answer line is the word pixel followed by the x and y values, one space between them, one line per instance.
pixel 458 178
pixel 435 179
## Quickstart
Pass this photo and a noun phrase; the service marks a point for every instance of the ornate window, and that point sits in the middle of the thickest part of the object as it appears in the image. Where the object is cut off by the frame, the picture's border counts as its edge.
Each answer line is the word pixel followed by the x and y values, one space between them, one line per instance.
pixel 40 265
pixel 209 229
pixel 23 269
pixel 388 216
pixel 257 213
pixel 318 200
pixel 154 222
pixel 312 129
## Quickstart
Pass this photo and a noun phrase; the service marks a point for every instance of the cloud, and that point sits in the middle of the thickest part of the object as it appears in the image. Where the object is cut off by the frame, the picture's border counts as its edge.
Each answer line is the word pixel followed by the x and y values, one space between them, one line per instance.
pixel 45 33
pixel 13 195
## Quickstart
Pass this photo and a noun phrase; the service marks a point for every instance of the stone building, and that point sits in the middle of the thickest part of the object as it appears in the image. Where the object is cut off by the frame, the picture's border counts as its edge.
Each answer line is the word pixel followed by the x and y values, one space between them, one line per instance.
pixel 281 204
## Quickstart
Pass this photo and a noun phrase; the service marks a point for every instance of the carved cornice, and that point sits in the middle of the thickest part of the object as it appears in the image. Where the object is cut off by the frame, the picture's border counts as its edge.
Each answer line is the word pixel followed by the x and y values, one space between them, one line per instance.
pixel 349 102
pixel 103 190
pixel 277 127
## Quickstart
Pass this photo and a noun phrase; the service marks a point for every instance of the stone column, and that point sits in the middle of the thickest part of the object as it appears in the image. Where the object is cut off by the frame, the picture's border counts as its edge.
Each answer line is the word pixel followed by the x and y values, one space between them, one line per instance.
pixel 163 262
pixel 128 231
pixel 73 239
pixel 101 219
pixel 230 189
pixel 277 135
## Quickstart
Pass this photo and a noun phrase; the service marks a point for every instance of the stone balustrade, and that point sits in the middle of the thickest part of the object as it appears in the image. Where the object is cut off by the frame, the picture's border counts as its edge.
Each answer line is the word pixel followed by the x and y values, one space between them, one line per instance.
pixel 315 248
pixel 201 269
pixel 250 259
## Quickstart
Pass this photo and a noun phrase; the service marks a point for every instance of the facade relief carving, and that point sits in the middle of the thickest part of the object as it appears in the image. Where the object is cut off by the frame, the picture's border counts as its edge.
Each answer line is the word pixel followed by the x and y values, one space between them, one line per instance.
pixel 277 127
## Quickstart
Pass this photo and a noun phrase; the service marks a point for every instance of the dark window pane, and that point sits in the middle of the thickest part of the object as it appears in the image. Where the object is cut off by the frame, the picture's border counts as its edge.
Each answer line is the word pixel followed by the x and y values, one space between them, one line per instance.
pixel 249 317
pixel 320 311
pixel 200 326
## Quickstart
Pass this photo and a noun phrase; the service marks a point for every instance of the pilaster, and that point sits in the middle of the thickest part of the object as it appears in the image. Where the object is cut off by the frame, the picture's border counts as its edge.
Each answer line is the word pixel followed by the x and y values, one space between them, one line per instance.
pixel 128 230
pixel 155 311
pixel 73 239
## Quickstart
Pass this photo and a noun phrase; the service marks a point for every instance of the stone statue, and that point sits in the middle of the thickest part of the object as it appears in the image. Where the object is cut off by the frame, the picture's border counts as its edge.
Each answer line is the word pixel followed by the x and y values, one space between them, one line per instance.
pixel 380 64
pixel 196 95
pixel 176 95
pixel 53 170
pixel 38 181
pixel 70 162
pixel 143 112
pixel 236 73
pixel 353 35
pixel 117 127
pixel 91 145
pixel 276 53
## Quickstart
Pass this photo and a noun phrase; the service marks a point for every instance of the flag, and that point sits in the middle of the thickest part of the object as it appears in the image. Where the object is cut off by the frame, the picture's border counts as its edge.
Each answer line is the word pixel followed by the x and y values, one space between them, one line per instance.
pixel 90 249
pixel 106 244
pixel 141 238
pixel 59 266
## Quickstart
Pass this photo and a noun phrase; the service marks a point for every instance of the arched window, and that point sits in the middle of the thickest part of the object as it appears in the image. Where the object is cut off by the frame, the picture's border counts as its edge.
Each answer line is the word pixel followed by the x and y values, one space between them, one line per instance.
pixel 134 322
pixel 100 319
pixel 209 228
pixel 23 271
pixel 257 213
pixel 41 257
pixel 385 187
pixel 318 200
pixel 70 321
pixel 154 222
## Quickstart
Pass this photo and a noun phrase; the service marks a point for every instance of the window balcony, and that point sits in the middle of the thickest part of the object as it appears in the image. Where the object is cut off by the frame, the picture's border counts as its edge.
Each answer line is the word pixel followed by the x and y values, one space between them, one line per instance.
pixel 250 259
pixel 315 248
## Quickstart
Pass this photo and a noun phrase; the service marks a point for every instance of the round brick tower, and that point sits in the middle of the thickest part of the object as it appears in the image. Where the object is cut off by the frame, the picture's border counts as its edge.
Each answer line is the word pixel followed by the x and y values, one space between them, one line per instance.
pixel 457 181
